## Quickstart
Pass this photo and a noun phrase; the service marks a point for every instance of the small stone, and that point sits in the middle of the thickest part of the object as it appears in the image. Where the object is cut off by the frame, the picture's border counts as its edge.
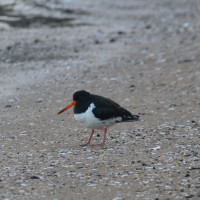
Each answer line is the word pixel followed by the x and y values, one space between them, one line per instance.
pixel 187 175
pixel 39 101
pixel 76 50
pixel 172 105
pixel 148 26
pixel 36 41
pixel 190 196
pixel 97 42
pixel 9 48
pixel 121 32
pixel 194 122
pixel 113 40
pixel 34 177
pixel 8 106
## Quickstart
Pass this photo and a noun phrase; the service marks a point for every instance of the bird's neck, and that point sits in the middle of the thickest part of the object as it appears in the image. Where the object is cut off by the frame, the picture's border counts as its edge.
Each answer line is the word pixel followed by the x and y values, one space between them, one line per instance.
pixel 82 106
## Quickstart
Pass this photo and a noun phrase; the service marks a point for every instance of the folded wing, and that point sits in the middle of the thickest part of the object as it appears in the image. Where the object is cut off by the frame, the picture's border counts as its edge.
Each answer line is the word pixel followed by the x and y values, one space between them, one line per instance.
pixel 110 109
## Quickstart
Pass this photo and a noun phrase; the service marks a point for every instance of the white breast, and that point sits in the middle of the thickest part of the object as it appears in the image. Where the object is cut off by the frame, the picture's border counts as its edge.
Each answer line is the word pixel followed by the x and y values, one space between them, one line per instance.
pixel 89 120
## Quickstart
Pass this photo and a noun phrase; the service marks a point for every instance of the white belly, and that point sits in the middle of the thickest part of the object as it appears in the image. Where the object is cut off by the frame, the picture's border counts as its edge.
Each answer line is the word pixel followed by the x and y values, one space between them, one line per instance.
pixel 89 120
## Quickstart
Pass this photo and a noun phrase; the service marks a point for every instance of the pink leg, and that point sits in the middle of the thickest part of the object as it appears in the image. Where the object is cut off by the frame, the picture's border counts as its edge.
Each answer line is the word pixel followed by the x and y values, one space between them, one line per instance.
pixel 104 138
pixel 88 142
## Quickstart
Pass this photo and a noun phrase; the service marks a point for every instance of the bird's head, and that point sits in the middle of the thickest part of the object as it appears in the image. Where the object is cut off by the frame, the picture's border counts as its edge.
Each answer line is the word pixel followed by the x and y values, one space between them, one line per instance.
pixel 77 96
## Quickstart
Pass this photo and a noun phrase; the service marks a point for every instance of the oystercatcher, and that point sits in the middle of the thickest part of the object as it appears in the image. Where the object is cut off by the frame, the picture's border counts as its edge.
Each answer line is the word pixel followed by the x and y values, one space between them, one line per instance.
pixel 97 112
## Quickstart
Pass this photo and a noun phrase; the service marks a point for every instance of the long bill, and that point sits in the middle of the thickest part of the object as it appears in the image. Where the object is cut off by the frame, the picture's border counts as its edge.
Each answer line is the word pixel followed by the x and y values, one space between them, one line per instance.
pixel 69 106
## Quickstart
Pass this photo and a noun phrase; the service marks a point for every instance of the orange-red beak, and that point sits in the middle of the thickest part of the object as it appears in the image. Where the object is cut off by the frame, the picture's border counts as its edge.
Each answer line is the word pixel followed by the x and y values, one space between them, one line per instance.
pixel 69 106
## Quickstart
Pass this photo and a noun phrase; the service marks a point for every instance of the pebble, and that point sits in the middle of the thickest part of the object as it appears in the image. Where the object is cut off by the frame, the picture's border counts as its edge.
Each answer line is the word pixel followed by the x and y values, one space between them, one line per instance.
pixel 8 106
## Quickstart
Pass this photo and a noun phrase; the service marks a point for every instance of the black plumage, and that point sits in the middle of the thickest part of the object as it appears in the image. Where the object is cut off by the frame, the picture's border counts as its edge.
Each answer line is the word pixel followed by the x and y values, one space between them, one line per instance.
pixel 98 112
pixel 105 108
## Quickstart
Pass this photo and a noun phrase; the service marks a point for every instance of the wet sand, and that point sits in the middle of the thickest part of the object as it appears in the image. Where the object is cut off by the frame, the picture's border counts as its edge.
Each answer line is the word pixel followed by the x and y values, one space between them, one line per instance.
pixel 144 55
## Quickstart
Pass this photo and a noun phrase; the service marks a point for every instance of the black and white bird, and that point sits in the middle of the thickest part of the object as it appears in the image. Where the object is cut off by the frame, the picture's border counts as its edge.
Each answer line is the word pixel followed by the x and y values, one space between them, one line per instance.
pixel 97 112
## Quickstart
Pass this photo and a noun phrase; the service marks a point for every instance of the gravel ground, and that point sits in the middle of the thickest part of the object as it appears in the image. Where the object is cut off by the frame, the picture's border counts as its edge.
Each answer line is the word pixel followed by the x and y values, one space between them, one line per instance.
pixel 144 55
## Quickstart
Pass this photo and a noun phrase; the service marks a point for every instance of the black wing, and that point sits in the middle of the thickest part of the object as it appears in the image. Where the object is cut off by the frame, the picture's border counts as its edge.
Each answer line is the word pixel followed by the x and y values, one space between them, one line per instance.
pixel 106 109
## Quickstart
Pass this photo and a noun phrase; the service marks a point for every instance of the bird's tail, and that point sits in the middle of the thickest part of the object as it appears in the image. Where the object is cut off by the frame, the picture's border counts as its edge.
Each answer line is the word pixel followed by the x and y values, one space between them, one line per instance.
pixel 136 118
pixel 130 119
pixel 133 118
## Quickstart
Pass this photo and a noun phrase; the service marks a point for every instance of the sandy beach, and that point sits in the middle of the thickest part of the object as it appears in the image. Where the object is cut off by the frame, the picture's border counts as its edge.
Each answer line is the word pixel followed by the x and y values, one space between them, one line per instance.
pixel 145 55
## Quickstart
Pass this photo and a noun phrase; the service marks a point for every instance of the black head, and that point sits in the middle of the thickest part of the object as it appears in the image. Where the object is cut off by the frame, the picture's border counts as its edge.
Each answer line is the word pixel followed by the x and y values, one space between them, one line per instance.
pixel 80 95
pixel 78 98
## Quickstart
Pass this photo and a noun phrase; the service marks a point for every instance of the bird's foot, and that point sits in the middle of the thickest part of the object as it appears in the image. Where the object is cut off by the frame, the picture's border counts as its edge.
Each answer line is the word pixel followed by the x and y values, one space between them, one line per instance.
pixel 92 145
pixel 101 144
pixel 83 145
